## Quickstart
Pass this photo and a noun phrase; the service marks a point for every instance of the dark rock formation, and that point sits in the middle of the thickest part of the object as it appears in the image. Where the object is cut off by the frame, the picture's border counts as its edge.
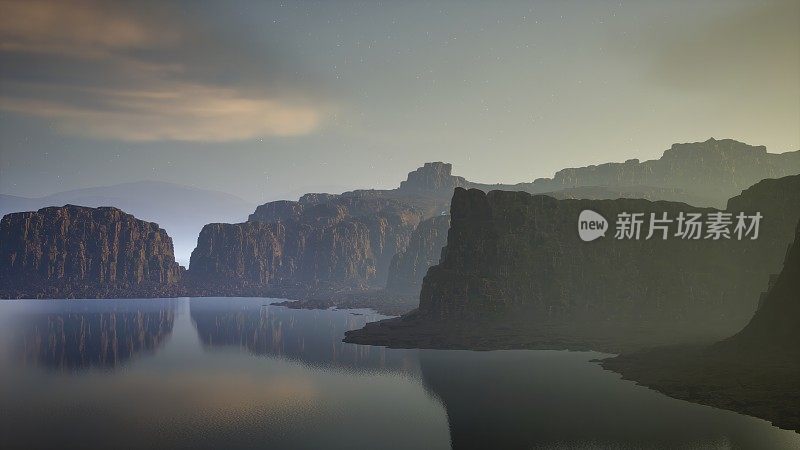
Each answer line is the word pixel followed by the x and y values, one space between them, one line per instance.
pixel 80 252
pixel 774 327
pixel 515 260
pixel 409 266
pixel 756 371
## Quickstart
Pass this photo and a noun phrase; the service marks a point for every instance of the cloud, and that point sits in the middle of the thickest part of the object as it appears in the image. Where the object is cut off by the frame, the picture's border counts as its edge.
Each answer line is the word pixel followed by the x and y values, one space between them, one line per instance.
pixel 103 71
pixel 81 28
pixel 183 112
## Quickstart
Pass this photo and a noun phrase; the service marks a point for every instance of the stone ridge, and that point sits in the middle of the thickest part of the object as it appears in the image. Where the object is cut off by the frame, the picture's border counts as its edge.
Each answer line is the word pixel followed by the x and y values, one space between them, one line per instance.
pixel 713 171
pixel 75 251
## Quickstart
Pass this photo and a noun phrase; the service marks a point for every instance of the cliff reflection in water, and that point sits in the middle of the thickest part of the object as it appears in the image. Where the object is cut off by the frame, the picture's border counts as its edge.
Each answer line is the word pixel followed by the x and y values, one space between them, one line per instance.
pixel 93 337
pixel 313 337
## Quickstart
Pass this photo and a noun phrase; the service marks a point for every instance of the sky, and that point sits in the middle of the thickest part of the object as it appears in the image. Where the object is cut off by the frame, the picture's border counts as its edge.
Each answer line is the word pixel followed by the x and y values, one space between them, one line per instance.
pixel 269 100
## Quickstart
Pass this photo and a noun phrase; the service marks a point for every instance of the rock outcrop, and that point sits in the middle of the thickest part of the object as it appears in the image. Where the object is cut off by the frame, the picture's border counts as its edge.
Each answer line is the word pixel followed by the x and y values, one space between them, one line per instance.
pixel 516 257
pixel 409 266
pixel 434 178
pixel 81 252
pixel 334 244
pixel 325 245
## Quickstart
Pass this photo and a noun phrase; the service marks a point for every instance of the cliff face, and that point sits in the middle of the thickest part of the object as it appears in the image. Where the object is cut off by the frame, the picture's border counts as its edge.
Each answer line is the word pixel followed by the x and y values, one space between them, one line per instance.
pixel 511 253
pixel 75 251
pixel 774 326
pixel 755 372
pixel 339 243
pixel 408 267
pixel 706 173
pixel 326 243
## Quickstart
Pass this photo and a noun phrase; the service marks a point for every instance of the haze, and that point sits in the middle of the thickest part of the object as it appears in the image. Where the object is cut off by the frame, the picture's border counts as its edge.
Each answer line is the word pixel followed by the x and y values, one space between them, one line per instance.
pixel 269 101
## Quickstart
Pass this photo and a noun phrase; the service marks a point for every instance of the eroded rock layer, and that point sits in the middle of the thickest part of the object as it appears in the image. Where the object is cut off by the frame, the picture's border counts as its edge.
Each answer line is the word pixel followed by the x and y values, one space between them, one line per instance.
pixel 75 251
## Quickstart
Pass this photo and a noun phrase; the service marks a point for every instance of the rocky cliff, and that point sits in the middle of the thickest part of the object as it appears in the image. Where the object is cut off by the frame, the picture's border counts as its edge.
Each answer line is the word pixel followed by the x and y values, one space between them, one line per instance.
pixel 774 327
pixel 756 371
pixel 409 266
pixel 324 245
pixel 75 251
pixel 340 243
pixel 434 178
pixel 513 251
pixel 512 256
pixel 707 172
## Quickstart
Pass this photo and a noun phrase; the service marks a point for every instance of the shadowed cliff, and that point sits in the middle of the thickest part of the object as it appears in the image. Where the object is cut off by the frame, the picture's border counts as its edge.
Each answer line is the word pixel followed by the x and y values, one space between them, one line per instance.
pixel 515 273
pixel 756 371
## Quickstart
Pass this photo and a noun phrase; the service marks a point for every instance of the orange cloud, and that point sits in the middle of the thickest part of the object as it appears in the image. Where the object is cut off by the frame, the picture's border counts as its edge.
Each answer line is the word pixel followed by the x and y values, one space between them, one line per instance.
pixel 146 98
pixel 183 113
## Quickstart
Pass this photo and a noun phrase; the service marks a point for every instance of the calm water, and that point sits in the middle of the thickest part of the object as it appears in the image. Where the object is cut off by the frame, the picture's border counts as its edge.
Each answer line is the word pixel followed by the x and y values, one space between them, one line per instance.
pixel 237 373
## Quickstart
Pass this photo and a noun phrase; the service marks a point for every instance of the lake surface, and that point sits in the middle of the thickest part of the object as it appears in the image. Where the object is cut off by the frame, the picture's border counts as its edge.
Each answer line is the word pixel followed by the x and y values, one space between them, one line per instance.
pixel 239 373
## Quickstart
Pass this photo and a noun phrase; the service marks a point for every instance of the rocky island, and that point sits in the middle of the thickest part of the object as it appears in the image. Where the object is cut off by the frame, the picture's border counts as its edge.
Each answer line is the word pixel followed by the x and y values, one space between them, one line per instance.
pixel 81 252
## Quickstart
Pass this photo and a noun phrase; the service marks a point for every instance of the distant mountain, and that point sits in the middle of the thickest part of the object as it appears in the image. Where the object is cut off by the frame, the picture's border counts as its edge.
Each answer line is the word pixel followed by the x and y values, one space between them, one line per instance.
pixel 700 173
pixel 181 210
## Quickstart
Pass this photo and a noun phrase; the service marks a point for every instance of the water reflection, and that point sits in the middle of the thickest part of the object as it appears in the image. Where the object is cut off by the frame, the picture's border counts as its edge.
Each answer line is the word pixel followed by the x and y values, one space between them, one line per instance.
pixel 557 399
pixel 80 337
pixel 237 373
pixel 312 337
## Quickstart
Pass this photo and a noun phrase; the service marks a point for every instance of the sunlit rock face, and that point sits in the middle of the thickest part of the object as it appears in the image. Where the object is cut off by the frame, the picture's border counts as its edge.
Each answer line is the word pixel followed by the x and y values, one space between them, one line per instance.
pixel 512 254
pixel 340 243
pixel 91 340
pixel 75 251
pixel 322 243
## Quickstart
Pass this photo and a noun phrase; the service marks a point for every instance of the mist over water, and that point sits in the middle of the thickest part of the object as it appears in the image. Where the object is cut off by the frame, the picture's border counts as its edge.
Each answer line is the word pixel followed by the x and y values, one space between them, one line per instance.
pixel 238 373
